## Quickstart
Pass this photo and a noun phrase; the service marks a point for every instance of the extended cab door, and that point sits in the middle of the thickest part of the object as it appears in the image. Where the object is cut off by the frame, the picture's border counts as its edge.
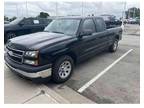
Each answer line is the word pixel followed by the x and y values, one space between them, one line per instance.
pixel 101 34
pixel 88 44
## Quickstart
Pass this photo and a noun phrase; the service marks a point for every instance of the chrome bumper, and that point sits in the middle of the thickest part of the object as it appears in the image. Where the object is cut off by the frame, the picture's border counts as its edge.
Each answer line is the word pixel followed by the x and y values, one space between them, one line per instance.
pixel 40 74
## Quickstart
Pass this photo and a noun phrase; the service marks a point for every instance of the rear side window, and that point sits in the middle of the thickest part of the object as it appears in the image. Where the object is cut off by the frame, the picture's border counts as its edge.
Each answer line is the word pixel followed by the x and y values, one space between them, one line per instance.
pixel 28 22
pixel 100 25
pixel 88 24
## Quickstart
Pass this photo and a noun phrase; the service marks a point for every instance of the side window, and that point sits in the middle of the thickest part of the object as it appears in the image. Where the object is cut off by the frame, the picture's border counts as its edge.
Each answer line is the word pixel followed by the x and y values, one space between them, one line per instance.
pixel 36 21
pixel 27 22
pixel 100 25
pixel 41 21
pixel 88 24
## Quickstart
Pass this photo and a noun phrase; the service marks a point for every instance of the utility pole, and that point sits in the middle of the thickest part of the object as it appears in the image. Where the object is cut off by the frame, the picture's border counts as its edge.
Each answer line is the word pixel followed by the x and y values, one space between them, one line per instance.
pixel 134 13
pixel 56 8
pixel 82 8
pixel 17 9
pixel 26 9
pixel 123 13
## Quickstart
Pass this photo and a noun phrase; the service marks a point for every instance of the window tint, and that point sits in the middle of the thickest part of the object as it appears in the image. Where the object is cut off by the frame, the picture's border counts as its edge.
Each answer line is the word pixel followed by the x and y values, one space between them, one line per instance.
pixel 65 26
pixel 41 21
pixel 88 25
pixel 44 21
pixel 48 21
pixel 28 22
pixel 100 25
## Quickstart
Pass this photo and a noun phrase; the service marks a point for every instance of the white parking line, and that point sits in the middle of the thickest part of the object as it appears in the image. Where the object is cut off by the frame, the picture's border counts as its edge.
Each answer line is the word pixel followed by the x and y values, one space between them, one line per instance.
pixel 85 86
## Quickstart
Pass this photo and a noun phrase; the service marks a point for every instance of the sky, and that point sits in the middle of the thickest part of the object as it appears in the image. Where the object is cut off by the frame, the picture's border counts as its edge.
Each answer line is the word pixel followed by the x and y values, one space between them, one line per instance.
pixel 33 8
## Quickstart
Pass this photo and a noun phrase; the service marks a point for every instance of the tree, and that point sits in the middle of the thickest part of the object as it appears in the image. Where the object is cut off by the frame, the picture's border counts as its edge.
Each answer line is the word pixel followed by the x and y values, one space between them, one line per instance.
pixel 6 18
pixel 13 18
pixel 132 13
pixel 43 15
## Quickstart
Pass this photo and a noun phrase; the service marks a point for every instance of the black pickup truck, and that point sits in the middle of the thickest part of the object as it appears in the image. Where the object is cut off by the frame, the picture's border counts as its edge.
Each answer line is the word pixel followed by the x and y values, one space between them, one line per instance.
pixel 22 26
pixel 64 42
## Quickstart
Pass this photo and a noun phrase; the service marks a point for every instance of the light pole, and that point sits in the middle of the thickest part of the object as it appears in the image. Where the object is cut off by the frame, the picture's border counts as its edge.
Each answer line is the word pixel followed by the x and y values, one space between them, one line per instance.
pixel 26 9
pixel 17 9
pixel 56 9
pixel 82 8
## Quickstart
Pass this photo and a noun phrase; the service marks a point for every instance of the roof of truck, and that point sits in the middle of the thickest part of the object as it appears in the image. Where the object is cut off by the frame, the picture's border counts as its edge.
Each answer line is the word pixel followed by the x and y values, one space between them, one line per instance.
pixel 77 17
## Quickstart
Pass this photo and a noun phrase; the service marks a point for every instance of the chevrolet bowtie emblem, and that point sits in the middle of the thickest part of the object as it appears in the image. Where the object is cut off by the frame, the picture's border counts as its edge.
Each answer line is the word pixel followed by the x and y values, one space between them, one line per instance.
pixel 10 53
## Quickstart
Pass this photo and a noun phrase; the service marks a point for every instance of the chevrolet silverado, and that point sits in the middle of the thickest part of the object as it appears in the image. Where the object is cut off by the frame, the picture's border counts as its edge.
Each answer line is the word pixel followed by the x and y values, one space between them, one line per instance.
pixel 65 42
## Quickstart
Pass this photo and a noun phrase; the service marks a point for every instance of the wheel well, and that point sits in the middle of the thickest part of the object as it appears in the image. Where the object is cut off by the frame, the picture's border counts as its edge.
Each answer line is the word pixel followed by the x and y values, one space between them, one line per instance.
pixel 117 37
pixel 73 56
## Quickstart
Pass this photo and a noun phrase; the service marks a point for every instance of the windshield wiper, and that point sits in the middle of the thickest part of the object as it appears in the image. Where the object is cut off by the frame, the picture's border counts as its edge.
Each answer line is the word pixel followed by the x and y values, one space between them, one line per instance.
pixel 54 31
pixel 57 32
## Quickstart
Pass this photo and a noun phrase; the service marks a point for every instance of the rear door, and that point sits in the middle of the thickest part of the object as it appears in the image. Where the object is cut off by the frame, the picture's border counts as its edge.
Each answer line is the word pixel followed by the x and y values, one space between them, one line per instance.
pixel 88 43
pixel 101 34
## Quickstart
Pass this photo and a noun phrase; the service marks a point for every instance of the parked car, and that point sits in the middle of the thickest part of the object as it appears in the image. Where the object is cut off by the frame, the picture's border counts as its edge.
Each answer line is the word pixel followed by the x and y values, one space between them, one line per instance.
pixel 111 21
pixel 22 26
pixel 134 21
pixel 6 22
pixel 64 43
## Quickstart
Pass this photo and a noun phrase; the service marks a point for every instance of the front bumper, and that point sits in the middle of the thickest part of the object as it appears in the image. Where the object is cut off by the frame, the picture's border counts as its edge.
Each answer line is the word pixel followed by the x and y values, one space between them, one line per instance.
pixel 29 71
pixel 41 74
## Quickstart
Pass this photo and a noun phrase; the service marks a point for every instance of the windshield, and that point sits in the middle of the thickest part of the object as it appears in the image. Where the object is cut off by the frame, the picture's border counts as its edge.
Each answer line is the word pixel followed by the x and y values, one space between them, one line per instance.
pixel 16 21
pixel 64 26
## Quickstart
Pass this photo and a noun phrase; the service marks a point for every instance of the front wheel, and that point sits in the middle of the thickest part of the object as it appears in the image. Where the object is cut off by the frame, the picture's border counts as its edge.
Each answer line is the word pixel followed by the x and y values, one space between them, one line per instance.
pixel 62 69
pixel 114 46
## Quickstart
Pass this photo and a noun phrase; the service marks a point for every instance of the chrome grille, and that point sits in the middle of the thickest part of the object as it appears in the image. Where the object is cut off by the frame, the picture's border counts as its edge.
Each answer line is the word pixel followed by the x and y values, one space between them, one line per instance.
pixel 15 55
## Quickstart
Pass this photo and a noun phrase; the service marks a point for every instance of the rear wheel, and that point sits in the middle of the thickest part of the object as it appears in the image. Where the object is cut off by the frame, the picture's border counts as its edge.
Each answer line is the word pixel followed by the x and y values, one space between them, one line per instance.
pixel 62 69
pixel 114 46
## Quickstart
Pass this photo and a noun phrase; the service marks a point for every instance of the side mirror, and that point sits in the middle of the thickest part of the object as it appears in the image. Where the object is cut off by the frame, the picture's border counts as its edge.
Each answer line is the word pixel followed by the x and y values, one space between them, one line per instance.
pixel 86 32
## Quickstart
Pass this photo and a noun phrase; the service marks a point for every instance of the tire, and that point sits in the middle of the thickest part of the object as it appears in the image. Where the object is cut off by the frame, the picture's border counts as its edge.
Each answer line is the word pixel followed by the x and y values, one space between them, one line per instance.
pixel 10 35
pixel 114 46
pixel 62 69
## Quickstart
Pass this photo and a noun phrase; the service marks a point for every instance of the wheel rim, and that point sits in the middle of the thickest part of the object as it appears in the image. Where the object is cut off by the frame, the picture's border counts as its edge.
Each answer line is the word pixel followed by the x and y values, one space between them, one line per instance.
pixel 11 35
pixel 115 45
pixel 65 69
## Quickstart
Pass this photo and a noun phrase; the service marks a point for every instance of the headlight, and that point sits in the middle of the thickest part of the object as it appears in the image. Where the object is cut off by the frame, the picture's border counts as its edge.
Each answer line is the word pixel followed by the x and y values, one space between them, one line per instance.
pixel 32 54
pixel 31 62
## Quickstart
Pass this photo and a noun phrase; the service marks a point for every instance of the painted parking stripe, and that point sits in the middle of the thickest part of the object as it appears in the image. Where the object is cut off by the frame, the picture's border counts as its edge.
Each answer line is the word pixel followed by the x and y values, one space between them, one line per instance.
pixel 85 86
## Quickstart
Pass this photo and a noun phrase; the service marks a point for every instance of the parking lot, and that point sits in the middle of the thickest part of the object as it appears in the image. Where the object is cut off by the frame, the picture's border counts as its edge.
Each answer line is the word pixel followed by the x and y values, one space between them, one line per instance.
pixel 112 82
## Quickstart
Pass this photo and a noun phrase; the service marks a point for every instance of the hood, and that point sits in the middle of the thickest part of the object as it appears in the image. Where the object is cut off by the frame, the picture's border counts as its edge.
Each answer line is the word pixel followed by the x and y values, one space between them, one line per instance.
pixel 8 26
pixel 37 40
